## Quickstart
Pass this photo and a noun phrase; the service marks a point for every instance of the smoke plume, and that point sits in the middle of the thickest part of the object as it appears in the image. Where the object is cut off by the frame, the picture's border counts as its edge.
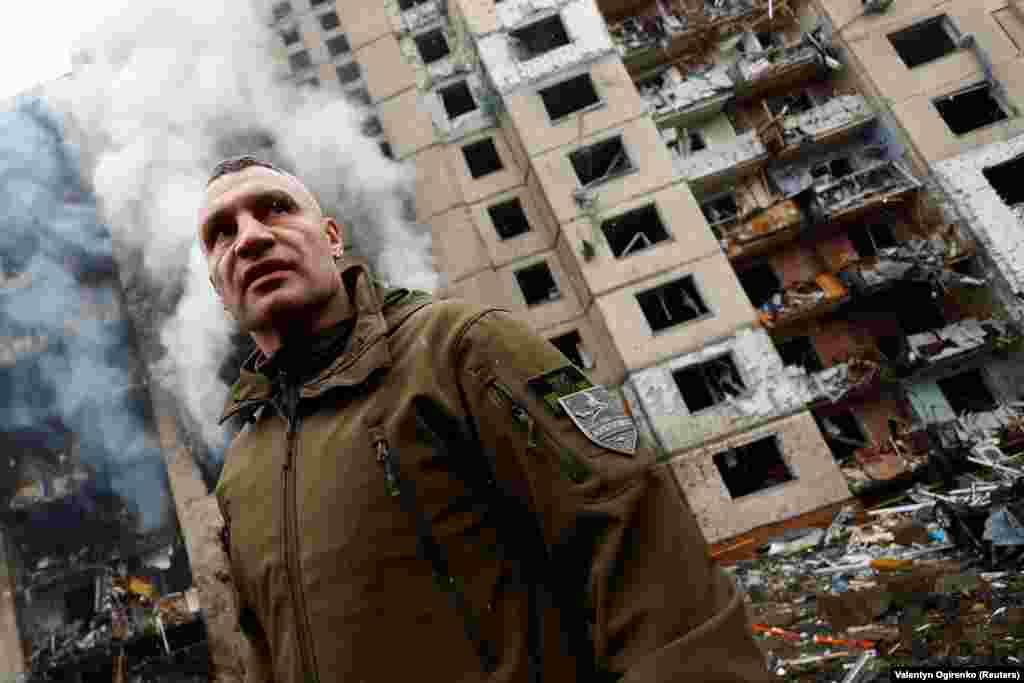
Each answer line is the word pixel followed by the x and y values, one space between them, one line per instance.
pixel 161 95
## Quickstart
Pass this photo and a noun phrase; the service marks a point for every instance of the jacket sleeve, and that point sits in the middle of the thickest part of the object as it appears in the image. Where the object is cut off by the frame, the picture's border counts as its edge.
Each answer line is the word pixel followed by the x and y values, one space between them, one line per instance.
pixel 661 609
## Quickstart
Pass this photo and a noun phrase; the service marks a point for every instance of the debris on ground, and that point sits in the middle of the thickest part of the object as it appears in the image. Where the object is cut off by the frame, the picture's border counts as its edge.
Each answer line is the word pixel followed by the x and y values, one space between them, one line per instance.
pixel 932 578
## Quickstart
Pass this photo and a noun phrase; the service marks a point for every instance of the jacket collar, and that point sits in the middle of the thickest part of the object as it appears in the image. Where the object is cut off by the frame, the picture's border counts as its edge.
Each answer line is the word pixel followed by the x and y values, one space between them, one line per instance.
pixel 365 351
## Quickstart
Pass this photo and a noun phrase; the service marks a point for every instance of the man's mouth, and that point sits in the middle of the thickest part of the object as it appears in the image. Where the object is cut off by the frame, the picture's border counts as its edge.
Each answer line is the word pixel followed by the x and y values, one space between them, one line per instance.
pixel 261 271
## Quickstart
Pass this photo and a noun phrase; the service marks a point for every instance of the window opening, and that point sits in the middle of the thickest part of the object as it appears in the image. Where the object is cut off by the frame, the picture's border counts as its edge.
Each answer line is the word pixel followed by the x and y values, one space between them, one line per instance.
pixel 970 109
pixel 925 41
pixel 768 40
pixel 482 158
pixel 800 351
pixel 760 283
pixel 290 36
pixel 372 127
pixel 720 212
pixel 792 104
pixel 636 229
pixel 348 73
pixel 567 97
pixel 697 141
pixel 317 3
pixel 967 392
pixel 843 434
pixel 509 218
pixel 868 239
pixel 600 161
pixel 537 284
pixel 409 4
pixel 329 21
pixel 571 346
pixel 300 61
pixel 385 149
pixel 753 467
pixel 539 37
pixel 432 46
pixel 832 170
pixel 457 100
pixel 672 304
pixel 360 96
pixel 703 385
pixel 1005 179
pixel 337 45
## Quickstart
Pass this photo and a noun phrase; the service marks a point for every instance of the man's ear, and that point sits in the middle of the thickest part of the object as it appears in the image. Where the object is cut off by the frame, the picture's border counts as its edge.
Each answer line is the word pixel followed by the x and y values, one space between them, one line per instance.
pixel 335 236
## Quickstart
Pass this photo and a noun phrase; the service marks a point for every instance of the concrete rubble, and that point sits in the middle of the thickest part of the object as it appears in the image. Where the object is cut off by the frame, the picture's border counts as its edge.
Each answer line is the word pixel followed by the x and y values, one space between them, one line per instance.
pixel 930 578
pixel 745 148
pixel 669 92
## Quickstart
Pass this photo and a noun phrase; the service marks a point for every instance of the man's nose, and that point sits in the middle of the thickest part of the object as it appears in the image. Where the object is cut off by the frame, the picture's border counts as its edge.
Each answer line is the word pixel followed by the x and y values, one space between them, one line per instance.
pixel 253 237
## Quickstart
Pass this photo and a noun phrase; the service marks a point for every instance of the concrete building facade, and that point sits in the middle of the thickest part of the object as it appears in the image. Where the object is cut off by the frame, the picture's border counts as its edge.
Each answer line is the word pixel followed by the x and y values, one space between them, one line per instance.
pixel 707 206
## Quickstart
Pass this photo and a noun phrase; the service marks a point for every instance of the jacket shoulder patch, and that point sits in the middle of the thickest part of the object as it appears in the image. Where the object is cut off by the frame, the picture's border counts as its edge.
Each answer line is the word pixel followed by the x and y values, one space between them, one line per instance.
pixel 602 417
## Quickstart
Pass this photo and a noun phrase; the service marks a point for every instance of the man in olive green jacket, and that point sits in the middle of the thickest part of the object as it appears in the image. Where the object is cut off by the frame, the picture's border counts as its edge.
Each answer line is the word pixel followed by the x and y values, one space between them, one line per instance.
pixel 429 491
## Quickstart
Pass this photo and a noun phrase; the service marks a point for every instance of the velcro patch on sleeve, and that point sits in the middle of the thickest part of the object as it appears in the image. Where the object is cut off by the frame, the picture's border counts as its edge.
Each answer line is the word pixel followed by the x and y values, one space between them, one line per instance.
pixel 557 384
pixel 602 417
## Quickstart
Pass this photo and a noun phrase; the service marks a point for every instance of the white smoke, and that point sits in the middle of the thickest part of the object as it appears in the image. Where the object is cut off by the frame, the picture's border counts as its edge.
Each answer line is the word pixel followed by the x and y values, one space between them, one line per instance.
pixel 165 93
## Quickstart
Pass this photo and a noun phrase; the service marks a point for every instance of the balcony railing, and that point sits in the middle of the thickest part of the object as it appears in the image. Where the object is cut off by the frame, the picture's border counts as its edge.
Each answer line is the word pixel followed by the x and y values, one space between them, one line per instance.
pixel 849 195
pixel 673 100
pixel 822 124
pixel 768 228
pixel 847 381
pixel 954 343
pixel 803 301
pixel 925 260
pixel 643 41
pixel 761 71
pixel 745 153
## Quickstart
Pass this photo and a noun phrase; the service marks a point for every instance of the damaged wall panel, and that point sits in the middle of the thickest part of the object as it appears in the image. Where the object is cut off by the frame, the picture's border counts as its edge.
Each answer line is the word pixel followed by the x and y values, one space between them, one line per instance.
pixel 817 480
pixel 757 391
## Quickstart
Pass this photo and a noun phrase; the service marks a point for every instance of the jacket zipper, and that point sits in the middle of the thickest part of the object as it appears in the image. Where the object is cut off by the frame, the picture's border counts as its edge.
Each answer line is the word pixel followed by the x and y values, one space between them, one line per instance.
pixel 291 535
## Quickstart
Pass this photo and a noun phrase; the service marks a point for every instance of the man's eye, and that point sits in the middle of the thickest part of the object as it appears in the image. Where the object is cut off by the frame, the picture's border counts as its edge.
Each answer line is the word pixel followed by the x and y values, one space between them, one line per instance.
pixel 280 205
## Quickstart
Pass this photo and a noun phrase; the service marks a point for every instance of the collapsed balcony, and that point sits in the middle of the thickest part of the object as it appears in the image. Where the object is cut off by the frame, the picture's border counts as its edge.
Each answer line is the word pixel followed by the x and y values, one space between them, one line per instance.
pixel 777 67
pixel 803 301
pixel 675 100
pixel 831 121
pixel 954 344
pixel 857 378
pixel 644 41
pixel 851 194
pixel 718 163
pixel 762 231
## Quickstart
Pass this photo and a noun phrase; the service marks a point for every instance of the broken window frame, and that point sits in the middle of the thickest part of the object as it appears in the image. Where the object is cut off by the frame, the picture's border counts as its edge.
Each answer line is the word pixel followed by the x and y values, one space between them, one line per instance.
pixel 290 36
pixel 715 389
pixel 1004 178
pixel 526 49
pixel 954 397
pixel 281 10
pixel 807 352
pixel 406 5
pixel 717 224
pixel 942 105
pixel 470 149
pixel 343 71
pixel 736 454
pixel 431 35
pixel 329 21
pixel 620 165
pixel 656 226
pixel 505 208
pixel 843 440
pixel 300 61
pixel 554 292
pixel 829 165
pixel 338 45
pixel 694 300
pixel 760 267
pixel 871 233
pixel 556 93
pixel 461 85
pixel 576 352
pixel 910 36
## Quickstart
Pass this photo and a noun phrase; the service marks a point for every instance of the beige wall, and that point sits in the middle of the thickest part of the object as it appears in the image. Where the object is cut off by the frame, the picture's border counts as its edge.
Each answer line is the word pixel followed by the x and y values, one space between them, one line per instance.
pixel 619 97
pixel 689 240
pixel 458 249
pixel 502 251
pixel 484 287
pixel 407 124
pixel 435 191
pixel 818 480
pixel 477 189
pixel 910 91
pixel 653 169
pixel 607 368
pixel 730 310
pixel 365 22
pixel 385 68
pixel 11 655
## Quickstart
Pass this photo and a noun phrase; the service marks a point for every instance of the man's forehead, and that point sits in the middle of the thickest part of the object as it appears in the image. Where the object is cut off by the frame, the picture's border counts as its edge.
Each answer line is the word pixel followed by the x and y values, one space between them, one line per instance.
pixel 254 180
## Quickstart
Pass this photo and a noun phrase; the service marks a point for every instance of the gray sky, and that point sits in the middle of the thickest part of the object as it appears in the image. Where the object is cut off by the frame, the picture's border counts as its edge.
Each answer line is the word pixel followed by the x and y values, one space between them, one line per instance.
pixel 38 37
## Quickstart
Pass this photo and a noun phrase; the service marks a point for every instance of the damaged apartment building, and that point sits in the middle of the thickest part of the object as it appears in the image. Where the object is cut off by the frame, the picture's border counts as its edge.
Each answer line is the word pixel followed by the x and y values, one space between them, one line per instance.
pixel 95 583
pixel 704 206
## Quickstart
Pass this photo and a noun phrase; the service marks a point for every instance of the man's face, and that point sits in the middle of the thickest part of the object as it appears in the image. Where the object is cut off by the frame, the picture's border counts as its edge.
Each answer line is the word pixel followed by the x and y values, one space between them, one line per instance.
pixel 269 250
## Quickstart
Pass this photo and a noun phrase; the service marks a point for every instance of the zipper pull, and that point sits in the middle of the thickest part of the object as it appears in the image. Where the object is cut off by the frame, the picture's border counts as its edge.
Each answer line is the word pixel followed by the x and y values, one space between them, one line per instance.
pixel 390 474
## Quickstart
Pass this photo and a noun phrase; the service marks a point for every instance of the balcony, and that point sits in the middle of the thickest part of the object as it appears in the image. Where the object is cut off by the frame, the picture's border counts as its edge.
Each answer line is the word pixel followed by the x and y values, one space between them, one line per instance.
pixel 764 231
pixel 804 301
pixel 776 68
pixel 954 344
pixel 742 156
pixel 851 195
pixel 924 260
pixel 828 123
pixel 645 41
pixel 857 378
pixel 673 100
pixel 420 15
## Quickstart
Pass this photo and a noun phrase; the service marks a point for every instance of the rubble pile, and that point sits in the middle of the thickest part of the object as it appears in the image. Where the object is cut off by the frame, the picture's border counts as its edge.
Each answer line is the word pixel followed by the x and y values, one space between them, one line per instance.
pixel 669 91
pixel 802 297
pixel 936 581
pixel 641 33
pixel 924 260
